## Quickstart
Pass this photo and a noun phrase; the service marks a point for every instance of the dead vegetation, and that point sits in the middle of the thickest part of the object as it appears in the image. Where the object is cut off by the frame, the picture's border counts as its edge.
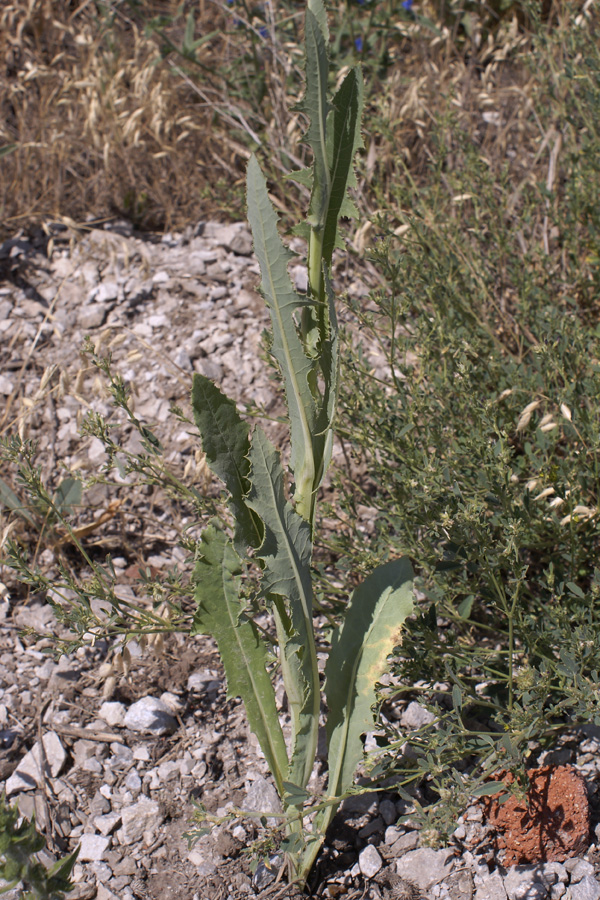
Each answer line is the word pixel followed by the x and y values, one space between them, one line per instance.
pixel 138 111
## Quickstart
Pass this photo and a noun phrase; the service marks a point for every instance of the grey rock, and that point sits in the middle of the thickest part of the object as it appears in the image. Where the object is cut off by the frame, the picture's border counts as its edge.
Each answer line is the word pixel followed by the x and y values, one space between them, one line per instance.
pixel 266 873
pixel 425 867
pixel 580 870
pixel 369 861
pixel 133 782
pixel 557 891
pixel 527 882
pixel 6 385
pixel 203 683
pixel 145 815
pixel 261 796
pixel 387 811
pixel 491 888
pixel 113 713
pixel 93 316
pixel 108 290
pixel 405 843
pixel 93 847
pixel 29 774
pixel 151 716
pixel 586 889
pixel 416 716
pixel 106 824
pixel 460 885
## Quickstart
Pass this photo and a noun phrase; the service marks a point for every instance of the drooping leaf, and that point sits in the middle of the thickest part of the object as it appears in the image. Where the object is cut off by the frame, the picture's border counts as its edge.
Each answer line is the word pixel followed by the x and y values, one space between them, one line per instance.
pixel 226 442
pixel 9 499
pixel 358 658
pixel 220 613
pixel 286 553
pixel 68 495
pixel 283 302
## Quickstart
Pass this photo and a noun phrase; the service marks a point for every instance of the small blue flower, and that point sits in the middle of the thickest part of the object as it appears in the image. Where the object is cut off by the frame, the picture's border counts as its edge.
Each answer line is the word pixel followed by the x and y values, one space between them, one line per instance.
pixel 358 43
pixel 263 31
pixel 407 5
pixel 361 2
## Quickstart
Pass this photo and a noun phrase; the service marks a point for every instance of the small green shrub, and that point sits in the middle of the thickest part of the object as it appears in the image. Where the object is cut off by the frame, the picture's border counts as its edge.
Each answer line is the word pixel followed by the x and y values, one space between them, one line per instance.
pixel 479 436
pixel 18 864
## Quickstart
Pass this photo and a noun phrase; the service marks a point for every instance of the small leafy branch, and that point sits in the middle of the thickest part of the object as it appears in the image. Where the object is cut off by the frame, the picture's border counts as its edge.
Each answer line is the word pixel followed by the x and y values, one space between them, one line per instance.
pixel 276 531
pixel 18 845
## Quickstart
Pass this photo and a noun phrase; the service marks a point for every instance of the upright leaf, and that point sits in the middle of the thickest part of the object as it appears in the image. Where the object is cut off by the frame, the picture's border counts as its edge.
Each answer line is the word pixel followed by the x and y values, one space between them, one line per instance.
pixel 226 443
pixel 220 612
pixel 286 553
pixel 359 651
pixel 343 140
pixel 283 301
pixel 317 108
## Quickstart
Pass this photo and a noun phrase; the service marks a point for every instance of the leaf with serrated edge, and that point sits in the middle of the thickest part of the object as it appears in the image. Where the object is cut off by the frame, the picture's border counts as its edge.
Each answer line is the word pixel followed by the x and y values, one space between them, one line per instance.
pixel 283 301
pixel 358 658
pixel 226 444
pixel 220 613
pixel 286 553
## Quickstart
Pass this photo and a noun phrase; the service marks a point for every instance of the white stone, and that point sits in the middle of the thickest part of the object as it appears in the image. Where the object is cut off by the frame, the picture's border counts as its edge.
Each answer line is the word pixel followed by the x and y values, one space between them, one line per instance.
pixel 28 774
pixel 6 385
pixel 491 888
pixel 92 847
pixel 425 867
pixel 113 713
pixel 369 861
pixel 416 716
pixel 106 824
pixel 150 715
pixel 143 816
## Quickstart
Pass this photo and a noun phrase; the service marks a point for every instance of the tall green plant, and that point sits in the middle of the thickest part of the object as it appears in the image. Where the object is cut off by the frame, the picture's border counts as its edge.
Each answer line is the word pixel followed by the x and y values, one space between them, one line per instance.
pixel 276 530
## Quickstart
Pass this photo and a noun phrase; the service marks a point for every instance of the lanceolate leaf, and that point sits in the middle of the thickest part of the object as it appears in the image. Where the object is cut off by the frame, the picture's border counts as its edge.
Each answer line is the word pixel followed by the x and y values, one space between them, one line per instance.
pixel 317 109
pixel 226 444
pixel 283 301
pixel 343 140
pixel 220 612
pixel 286 553
pixel 358 658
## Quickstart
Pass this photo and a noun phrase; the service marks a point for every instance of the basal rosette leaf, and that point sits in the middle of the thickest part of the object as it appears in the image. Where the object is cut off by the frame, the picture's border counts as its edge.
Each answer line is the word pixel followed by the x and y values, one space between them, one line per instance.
pixel 286 555
pixel 358 658
pixel 220 613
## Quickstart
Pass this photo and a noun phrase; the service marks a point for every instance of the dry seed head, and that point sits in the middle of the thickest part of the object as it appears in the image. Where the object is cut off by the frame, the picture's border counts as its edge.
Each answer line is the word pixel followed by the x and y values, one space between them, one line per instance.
pixel 109 687
pixel 566 412
pixel 531 484
pixel 549 426
pixel 546 419
pixel 558 501
pixel 547 492
pixel 505 393
pixel 525 416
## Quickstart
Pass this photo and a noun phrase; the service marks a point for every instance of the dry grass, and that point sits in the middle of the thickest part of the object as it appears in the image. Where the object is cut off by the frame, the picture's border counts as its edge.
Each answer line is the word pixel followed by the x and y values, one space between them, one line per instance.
pixel 106 125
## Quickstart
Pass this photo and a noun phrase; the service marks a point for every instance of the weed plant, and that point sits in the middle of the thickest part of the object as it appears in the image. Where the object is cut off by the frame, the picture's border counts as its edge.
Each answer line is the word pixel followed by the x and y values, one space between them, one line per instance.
pixel 478 441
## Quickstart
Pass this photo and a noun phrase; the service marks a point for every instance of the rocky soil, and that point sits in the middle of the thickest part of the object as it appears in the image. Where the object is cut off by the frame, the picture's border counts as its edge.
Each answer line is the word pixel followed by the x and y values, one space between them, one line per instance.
pixel 113 760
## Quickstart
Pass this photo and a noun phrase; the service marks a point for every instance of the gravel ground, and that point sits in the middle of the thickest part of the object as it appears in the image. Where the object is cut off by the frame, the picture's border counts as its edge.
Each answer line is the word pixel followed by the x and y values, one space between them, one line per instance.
pixel 112 760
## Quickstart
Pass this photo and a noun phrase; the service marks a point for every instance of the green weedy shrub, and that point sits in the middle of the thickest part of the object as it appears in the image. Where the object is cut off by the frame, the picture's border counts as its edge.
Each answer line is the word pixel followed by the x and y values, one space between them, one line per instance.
pixel 18 863
pixel 278 531
pixel 481 453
